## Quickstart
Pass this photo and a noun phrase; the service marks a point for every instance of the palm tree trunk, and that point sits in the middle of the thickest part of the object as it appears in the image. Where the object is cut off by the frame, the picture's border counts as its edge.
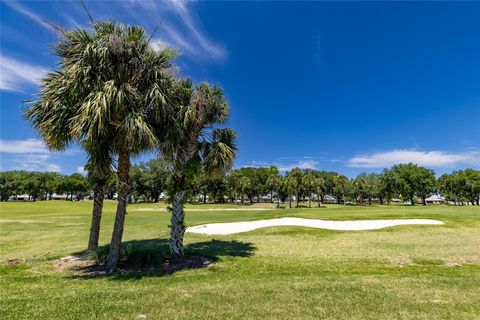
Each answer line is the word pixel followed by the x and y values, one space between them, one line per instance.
pixel 177 226
pixel 98 195
pixel 123 190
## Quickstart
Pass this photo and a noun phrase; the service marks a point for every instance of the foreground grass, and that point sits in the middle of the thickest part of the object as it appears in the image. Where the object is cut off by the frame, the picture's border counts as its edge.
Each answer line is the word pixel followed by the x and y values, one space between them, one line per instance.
pixel 405 272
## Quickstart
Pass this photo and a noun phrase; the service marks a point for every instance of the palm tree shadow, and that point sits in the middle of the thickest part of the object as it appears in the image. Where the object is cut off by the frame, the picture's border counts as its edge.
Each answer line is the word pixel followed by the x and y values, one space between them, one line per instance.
pixel 150 257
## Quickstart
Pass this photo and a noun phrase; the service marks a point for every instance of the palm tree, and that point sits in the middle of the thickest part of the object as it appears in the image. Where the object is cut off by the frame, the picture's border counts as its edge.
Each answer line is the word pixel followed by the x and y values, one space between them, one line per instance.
pixel 274 183
pixel 99 168
pixel 319 184
pixel 309 185
pixel 291 187
pixel 295 183
pixel 243 184
pixel 109 80
pixel 192 142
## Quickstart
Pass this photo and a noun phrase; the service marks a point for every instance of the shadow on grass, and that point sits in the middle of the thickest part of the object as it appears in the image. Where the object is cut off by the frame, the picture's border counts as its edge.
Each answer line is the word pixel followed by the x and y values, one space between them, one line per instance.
pixel 150 258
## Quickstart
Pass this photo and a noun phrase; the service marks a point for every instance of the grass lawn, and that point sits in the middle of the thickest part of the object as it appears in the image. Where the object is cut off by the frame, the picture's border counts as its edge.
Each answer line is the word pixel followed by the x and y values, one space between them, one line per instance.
pixel 403 272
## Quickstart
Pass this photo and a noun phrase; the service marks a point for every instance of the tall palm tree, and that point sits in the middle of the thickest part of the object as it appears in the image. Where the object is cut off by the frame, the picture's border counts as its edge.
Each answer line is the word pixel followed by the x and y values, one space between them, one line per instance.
pixel 99 169
pixel 191 142
pixel 109 80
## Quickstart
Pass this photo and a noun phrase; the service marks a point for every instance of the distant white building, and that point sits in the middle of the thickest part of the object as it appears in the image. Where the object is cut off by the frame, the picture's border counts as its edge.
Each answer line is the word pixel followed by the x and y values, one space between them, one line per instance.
pixel 19 197
pixel 435 199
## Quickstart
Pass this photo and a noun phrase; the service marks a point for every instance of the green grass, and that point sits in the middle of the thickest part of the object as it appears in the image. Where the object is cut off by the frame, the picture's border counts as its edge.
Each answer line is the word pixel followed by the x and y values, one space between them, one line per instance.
pixel 404 272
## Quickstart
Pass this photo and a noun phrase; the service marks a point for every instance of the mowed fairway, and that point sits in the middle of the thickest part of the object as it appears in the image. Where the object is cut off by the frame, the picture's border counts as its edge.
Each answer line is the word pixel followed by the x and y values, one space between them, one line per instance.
pixel 403 272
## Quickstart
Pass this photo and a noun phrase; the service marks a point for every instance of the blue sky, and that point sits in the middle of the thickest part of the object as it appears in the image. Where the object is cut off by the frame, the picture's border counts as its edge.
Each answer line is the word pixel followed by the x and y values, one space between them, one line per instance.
pixel 338 86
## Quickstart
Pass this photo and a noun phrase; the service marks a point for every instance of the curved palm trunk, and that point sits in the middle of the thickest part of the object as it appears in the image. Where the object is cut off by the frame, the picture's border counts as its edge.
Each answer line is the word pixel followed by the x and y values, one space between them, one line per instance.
pixel 177 226
pixel 123 190
pixel 98 195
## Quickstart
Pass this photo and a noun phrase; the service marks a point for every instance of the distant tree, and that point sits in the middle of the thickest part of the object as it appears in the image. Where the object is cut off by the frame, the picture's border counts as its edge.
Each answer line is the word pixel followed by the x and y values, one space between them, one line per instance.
pixel 295 183
pixel 198 187
pixel 216 187
pixel 290 188
pixel 330 179
pixel 472 186
pixel 156 178
pixel 51 180
pixel 76 185
pixel 274 184
pixel 387 186
pixel 341 187
pixel 452 186
pixel 8 185
pixel 149 179
pixel 309 181
pixel 461 186
pixel 319 185
pixel 33 185
pixel 360 187
pixel 426 183
pixel 253 189
pixel 243 185
pixel 412 180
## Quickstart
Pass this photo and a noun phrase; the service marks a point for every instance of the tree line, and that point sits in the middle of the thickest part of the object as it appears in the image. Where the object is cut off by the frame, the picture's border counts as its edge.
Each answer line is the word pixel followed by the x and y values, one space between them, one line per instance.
pixel 150 181
pixel 42 185
pixel 406 182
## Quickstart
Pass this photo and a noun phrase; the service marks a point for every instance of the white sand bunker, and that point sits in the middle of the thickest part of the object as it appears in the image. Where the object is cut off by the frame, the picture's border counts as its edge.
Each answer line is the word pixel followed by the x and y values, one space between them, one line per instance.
pixel 237 227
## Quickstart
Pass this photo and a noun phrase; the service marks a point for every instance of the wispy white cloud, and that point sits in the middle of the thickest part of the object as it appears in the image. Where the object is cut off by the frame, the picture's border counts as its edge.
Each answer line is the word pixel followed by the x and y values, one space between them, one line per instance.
pixel 15 74
pixel 305 163
pixel 36 162
pixel 214 50
pixel 423 158
pixel 29 14
pixel 23 146
pixel 178 26
pixel 302 164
